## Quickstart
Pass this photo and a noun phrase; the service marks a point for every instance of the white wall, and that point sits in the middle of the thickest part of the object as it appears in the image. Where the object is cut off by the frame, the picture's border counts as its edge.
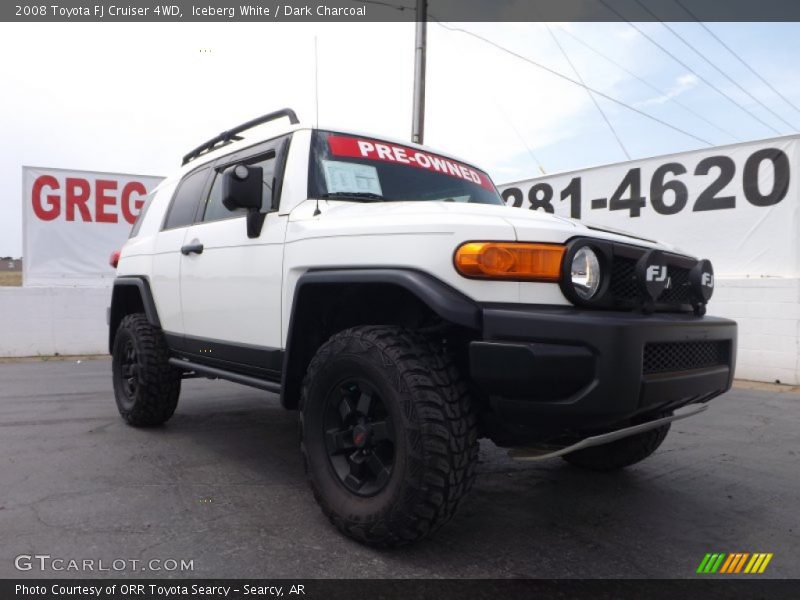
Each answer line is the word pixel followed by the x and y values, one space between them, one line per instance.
pixel 45 321
pixel 768 313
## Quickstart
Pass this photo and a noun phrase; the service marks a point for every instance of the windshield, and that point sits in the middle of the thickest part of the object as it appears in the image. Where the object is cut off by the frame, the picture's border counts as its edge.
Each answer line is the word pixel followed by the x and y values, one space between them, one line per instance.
pixel 346 167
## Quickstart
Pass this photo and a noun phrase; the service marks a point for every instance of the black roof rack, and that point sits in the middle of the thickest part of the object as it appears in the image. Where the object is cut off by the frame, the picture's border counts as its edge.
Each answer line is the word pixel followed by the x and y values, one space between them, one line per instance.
pixel 226 137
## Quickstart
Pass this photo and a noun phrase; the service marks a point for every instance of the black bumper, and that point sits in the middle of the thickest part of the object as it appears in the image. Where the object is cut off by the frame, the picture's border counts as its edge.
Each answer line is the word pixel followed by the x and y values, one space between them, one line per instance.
pixel 564 368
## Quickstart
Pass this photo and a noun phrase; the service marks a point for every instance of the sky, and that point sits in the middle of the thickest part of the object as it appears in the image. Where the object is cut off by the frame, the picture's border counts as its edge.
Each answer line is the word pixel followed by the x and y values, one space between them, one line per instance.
pixel 133 98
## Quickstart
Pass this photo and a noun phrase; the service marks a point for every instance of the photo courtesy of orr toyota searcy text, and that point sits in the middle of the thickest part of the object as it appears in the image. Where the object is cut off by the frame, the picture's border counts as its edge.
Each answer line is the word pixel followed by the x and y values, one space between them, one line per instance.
pixel 138 590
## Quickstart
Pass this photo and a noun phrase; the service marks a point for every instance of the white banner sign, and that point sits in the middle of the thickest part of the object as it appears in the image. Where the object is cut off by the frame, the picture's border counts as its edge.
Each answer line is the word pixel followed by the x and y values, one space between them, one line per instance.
pixel 735 205
pixel 74 220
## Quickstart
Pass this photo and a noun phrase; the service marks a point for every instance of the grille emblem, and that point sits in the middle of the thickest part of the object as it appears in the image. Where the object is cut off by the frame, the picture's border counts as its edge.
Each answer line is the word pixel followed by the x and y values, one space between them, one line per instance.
pixel 652 275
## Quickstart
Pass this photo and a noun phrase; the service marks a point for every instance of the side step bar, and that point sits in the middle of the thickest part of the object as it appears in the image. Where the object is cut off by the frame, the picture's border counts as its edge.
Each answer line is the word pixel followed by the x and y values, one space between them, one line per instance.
pixel 530 454
pixel 255 382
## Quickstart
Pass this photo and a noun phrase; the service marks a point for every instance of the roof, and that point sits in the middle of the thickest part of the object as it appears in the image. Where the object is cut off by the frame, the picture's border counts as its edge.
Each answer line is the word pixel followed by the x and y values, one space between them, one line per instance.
pixel 276 127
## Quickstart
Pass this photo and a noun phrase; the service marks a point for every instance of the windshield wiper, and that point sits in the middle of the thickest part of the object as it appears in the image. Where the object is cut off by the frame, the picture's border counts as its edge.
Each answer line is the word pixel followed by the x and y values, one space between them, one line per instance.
pixel 358 196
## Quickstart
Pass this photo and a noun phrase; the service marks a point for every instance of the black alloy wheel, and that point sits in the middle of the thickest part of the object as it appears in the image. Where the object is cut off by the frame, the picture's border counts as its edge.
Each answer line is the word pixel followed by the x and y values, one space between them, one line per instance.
pixel 359 437
pixel 146 386
pixel 129 370
pixel 388 434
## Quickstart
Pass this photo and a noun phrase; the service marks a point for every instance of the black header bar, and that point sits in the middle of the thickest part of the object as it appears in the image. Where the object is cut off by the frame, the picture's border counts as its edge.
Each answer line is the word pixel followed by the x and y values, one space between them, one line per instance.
pixel 734 588
pixel 397 10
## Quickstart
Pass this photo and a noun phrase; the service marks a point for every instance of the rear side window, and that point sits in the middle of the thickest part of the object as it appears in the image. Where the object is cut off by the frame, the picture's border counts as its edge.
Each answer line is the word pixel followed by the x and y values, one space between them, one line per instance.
pixel 137 224
pixel 184 203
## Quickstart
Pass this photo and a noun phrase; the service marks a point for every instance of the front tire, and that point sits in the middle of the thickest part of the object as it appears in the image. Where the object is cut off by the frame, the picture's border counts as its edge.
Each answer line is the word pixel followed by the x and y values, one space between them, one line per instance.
pixel 389 439
pixel 146 387
pixel 620 453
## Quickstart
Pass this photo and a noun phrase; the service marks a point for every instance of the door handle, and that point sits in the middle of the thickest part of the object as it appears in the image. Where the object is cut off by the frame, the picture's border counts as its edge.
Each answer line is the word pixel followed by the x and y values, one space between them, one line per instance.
pixel 195 248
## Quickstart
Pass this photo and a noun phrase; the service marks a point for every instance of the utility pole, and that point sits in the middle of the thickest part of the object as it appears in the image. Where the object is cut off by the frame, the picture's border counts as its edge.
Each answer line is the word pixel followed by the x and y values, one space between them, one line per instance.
pixel 418 118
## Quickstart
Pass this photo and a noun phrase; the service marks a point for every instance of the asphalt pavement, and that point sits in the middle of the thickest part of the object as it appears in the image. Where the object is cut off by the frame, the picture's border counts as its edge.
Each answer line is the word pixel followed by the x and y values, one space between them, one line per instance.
pixel 222 486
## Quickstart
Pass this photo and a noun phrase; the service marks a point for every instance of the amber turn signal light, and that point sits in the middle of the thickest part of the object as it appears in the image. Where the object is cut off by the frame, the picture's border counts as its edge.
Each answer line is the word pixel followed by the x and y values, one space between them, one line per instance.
pixel 510 260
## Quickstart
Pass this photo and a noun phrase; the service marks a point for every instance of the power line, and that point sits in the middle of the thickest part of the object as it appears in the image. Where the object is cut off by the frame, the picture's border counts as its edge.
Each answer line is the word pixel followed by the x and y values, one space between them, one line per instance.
pixel 692 71
pixel 520 136
pixel 573 81
pixel 591 95
pixel 737 56
pixel 649 85
pixel 399 7
pixel 715 67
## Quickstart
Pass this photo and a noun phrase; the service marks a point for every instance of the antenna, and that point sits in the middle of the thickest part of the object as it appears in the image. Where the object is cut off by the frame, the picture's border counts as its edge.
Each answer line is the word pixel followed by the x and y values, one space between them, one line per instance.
pixel 317 211
pixel 316 84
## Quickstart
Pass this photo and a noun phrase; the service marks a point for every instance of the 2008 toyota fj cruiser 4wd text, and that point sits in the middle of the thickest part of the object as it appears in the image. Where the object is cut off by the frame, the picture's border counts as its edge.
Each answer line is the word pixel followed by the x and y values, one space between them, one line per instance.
pixel 387 293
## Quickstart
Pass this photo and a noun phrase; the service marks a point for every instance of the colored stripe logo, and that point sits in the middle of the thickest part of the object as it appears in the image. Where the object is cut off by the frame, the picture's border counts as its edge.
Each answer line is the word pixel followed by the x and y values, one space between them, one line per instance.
pixel 734 563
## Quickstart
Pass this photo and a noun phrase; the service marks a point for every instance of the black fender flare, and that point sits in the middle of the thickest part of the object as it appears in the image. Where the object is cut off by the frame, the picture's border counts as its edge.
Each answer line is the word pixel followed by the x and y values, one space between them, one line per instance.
pixel 444 300
pixel 123 286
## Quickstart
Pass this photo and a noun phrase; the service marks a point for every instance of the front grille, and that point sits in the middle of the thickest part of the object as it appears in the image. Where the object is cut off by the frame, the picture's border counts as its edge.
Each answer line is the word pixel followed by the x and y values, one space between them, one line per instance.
pixel 622 290
pixel 679 290
pixel 625 291
pixel 623 279
pixel 664 357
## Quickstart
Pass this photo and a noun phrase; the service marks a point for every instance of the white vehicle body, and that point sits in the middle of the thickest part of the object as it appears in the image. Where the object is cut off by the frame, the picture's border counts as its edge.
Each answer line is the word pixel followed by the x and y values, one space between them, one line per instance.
pixel 264 271
pixel 386 292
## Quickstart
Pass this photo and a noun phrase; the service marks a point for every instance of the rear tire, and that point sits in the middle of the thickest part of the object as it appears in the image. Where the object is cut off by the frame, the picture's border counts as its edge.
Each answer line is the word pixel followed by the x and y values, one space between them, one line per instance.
pixel 389 439
pixel 620 453
pixel 146 387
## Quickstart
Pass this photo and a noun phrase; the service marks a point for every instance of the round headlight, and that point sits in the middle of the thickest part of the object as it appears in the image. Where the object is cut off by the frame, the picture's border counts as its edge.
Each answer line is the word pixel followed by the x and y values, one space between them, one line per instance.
pixel 585 273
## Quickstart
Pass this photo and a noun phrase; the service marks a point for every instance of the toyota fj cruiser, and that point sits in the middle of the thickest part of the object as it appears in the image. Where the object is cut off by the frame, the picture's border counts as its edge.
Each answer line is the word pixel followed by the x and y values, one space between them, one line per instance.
pixel 387 293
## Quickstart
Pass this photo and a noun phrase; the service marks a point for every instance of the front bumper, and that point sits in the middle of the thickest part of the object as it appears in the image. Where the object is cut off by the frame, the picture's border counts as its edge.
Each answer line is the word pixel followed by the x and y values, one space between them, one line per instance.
pixel 561 370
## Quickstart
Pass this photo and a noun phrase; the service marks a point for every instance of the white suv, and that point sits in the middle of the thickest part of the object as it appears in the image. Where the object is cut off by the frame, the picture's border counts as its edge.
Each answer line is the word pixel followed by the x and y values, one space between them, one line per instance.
pixel 387 293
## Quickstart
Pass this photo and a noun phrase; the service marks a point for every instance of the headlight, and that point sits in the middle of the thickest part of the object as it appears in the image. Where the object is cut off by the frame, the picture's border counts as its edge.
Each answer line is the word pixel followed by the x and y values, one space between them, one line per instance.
pixel 585 273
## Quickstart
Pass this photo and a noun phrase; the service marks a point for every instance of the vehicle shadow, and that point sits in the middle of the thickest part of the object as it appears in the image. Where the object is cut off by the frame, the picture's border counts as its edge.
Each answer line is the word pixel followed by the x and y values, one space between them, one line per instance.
pixel 545 519
pixel 550 519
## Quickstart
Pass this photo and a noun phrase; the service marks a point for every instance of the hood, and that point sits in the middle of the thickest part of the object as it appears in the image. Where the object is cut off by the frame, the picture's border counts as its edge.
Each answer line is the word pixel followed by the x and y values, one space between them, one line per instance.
pixel 348 209
pixel 448 217
pixel 528 224
pixel 527 227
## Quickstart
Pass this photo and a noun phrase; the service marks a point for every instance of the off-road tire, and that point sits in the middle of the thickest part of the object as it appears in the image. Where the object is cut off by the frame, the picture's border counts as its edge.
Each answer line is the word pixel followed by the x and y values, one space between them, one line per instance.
pixel 620 453
pixel 156 384
pixel 435 447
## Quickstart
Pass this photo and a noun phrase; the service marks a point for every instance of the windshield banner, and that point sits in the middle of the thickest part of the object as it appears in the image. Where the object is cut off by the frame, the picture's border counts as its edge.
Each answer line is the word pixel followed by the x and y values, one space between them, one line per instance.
pixel 352 147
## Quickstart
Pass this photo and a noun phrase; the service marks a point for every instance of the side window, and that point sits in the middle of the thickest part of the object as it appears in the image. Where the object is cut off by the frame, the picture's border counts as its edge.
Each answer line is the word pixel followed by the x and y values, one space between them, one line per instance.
pixel 137 224
pixel 268 164
pixel 184 203
pixel 216 211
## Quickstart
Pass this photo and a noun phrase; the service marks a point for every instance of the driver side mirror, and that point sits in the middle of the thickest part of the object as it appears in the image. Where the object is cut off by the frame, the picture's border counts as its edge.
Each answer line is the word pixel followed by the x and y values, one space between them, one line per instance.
pixel 242 187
